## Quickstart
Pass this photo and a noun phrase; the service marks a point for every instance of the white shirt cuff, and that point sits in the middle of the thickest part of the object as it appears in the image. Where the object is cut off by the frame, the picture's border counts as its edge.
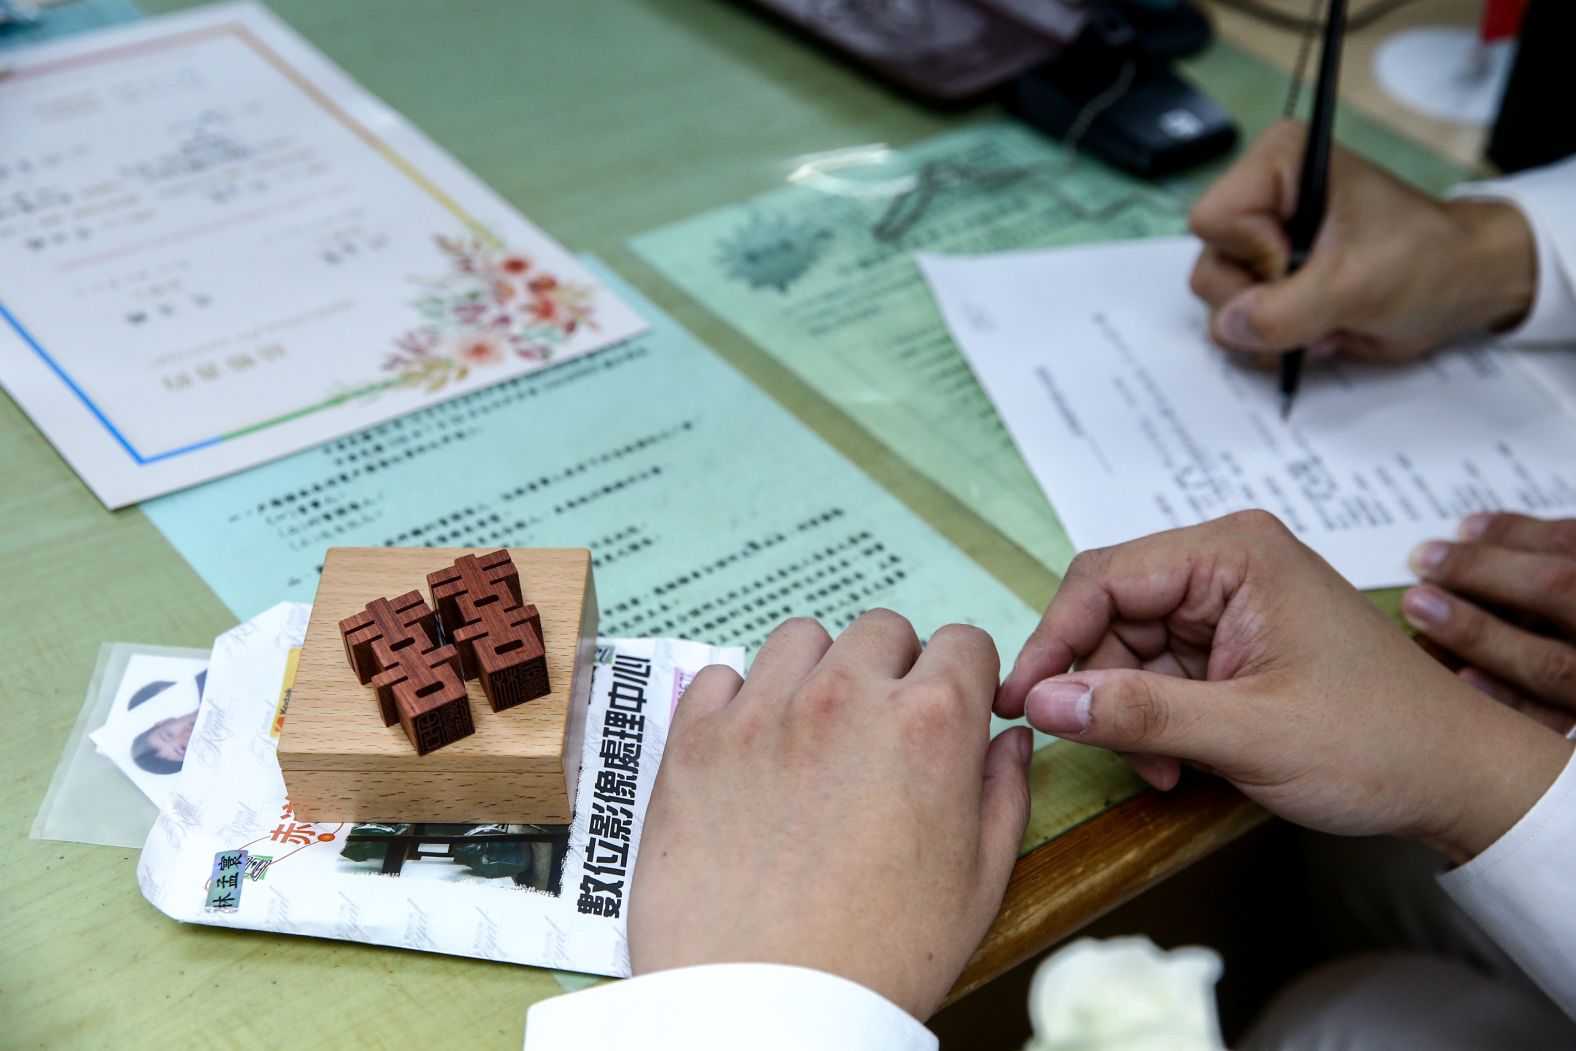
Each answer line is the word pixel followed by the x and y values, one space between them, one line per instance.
pixel 1546 198
pixel 726 1006
pixel 1522 890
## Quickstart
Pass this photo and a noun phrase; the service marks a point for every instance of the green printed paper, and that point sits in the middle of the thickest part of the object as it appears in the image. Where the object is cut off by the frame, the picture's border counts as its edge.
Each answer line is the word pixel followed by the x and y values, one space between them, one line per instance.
pixel 820 274
pixel 711 513
pixel 826 283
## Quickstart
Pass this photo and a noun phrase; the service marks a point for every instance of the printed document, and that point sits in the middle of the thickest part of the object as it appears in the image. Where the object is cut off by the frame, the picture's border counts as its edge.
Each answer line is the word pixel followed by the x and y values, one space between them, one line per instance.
pixel 711 512
pixel 1132 421
pixel 819 274
pixel 218 249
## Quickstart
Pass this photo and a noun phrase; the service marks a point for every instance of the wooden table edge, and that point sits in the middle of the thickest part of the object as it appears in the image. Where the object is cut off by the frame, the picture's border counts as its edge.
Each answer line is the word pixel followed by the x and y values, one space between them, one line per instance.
pixel 1079 876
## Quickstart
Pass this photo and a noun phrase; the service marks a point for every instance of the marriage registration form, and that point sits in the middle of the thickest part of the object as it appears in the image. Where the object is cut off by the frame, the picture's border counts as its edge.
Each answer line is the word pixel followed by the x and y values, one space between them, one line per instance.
pixel 1099 362
pixel 218 249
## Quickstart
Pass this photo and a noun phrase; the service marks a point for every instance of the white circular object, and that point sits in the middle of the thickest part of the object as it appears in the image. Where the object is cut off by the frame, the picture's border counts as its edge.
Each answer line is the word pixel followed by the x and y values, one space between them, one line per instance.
pixel 1445 72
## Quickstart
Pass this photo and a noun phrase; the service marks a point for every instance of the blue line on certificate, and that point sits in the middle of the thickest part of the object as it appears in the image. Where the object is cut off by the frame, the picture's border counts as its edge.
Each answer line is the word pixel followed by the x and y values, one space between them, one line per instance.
pixel 27 337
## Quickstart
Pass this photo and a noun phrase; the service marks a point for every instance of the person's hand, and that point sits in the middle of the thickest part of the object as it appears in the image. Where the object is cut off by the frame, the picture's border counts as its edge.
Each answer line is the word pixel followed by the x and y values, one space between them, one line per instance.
pixel 1503 602
pixel 1232 646
pixel 1393 272
pixel 842 809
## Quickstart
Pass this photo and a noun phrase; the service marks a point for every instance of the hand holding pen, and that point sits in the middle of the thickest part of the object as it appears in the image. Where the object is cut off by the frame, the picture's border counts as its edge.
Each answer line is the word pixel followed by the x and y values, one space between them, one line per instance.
pixel 1309 247
pixel 1394 274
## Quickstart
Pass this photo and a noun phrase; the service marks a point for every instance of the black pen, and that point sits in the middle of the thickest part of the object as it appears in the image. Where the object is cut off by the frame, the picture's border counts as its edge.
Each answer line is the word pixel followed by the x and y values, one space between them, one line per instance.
pixel 1313 185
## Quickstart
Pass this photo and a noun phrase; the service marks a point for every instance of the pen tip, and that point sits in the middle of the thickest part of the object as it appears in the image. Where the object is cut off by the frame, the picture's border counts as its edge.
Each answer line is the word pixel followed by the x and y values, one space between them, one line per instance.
pixel 1285 408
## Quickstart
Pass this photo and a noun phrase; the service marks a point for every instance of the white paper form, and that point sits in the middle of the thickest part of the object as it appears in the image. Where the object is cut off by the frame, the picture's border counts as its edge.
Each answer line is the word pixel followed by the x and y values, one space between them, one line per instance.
pixel 1099 362
pixel 217 249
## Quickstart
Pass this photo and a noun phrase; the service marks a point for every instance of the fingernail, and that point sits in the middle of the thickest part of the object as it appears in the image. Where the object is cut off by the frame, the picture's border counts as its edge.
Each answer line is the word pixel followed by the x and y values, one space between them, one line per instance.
pixel 1475 526
pixel 1059 707
pixel 1025 746
pixel 1427 557
pixel 1477 680
pixel 1424 609
pixel 1239 330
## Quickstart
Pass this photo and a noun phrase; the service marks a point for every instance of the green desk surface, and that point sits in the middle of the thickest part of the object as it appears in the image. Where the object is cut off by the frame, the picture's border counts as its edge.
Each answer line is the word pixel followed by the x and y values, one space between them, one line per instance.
pixel 599 120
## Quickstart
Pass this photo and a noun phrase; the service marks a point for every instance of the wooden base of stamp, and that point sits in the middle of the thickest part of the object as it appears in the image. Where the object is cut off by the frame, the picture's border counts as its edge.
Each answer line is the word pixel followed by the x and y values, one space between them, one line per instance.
pixel 341 763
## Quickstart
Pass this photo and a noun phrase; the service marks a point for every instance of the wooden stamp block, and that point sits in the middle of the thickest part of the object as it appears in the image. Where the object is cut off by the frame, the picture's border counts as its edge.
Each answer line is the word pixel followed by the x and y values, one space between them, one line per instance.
pixel 516 683
pixel 429 697
pixel 520 766
pixel 385 620
pixel 498 625
pixel 395 673
pixel 505 650
pixel 461 590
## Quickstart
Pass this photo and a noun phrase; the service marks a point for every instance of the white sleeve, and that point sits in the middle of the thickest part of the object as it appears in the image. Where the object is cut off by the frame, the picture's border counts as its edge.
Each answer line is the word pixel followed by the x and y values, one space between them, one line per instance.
pixel 1522 890
pixel 723 1007
pixel 1546 198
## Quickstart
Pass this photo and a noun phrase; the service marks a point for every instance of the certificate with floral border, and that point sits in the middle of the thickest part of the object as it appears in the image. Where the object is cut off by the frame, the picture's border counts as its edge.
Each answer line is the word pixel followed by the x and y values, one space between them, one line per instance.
pixel 216 249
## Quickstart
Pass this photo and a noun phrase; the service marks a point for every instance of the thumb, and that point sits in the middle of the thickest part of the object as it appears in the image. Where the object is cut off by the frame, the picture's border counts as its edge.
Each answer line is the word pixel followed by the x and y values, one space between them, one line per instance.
pixel 1004 803
pixel 1281 316
pixel 713 688
pixel 1140 711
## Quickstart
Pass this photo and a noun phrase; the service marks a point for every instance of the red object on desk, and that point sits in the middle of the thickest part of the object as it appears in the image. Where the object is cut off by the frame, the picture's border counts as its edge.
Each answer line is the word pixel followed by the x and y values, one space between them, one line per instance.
pixel 460 591
pixel 498 635
pixel 1501 20
pixel 386 623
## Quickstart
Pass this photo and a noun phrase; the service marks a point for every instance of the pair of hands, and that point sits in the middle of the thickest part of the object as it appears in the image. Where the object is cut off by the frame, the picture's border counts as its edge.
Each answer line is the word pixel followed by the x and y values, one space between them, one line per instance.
pixel 843 808
pixel 1394 274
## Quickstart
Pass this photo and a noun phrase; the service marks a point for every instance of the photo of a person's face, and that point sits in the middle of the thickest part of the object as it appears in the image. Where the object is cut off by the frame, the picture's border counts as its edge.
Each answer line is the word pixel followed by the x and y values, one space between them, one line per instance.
pixel 161 749
pixel 169 736
pixel 150 725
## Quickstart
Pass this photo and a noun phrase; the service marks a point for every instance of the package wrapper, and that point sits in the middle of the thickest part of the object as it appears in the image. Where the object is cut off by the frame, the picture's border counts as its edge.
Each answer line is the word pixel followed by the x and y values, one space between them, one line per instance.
pixel 295 878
